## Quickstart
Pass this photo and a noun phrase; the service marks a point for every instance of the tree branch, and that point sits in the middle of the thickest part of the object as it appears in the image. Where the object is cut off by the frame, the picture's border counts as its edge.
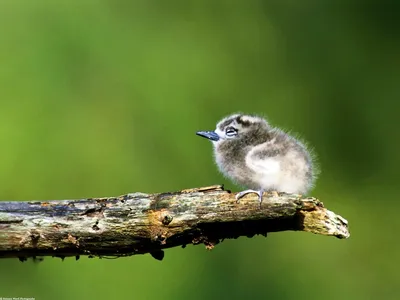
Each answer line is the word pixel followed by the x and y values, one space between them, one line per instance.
pixel 147 223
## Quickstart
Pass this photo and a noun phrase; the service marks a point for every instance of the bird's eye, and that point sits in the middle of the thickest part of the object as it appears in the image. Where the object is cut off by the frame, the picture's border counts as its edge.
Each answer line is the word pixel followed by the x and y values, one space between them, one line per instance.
pixel 230 131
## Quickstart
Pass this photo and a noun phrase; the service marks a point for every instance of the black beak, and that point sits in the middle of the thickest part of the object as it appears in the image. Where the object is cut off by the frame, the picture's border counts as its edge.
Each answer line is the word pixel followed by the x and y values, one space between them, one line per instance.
pixel 211 135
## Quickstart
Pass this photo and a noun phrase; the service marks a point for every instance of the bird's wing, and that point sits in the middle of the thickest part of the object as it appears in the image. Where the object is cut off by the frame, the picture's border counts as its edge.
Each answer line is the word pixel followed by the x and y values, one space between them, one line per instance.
pixel 264 159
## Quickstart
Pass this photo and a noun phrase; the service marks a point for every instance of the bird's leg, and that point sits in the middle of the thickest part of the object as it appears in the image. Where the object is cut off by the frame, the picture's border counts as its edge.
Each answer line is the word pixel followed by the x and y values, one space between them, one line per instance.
pixel 243 193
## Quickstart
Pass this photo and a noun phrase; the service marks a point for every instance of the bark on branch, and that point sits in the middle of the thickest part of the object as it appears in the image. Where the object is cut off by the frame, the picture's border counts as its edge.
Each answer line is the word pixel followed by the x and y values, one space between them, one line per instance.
pixel 147 223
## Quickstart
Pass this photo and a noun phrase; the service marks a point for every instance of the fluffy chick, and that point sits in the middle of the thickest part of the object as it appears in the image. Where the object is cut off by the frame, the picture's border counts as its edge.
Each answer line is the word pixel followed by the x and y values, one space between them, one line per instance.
pixel 248 150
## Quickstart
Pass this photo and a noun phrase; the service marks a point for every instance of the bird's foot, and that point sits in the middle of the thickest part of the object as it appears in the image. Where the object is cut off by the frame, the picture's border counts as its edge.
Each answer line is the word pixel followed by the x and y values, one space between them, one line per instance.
pixel 243 193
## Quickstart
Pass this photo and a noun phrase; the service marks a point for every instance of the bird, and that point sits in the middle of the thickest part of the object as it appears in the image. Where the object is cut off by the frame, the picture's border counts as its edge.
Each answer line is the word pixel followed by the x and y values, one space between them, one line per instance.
pixel 261 157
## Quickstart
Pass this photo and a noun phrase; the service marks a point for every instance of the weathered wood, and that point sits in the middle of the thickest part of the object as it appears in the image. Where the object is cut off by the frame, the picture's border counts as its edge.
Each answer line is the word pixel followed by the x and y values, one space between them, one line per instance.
pixel 147 223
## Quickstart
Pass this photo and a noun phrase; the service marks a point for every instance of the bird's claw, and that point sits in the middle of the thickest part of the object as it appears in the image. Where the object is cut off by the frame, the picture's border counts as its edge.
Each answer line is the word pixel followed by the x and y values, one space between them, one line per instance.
pixel 243 193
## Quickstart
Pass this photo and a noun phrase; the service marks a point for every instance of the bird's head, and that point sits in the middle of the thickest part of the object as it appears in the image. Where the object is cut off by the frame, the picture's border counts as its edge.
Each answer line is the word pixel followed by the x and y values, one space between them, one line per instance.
pixel 238 127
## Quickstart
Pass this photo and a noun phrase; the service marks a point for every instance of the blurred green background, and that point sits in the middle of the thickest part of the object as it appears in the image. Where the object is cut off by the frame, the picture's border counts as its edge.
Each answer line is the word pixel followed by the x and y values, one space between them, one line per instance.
pixel 101 98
